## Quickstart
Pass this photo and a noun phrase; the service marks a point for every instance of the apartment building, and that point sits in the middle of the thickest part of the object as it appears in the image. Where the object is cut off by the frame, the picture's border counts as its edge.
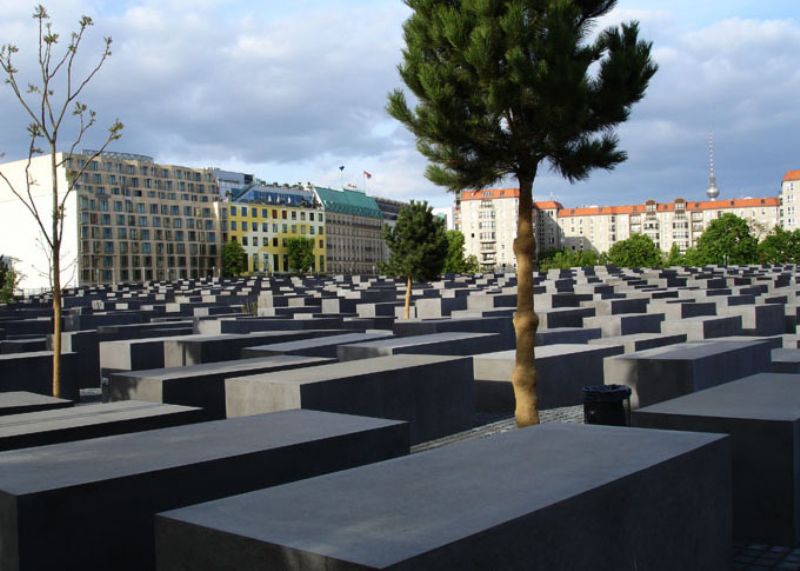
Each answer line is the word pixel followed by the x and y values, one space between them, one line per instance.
pixel 129 219
pixel 790 200
pixel 262 218
pixel 488 219
pixel 354 230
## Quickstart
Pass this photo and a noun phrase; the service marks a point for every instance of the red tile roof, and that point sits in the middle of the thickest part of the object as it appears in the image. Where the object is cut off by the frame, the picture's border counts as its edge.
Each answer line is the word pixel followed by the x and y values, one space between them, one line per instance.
pixel 791 175
pixel 667 207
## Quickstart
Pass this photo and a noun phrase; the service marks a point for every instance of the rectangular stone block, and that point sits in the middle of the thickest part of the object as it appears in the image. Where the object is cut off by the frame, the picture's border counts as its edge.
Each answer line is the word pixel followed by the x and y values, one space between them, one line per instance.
pixel 641 341
pixel 90 421
pixel 198 385
pixel 448 343
pixel 626 324
pixel 435 394
pixel 33 372
pixel 563 371
pixel 19 402
pixel 314 347
pixel 761 416
pixel 198 349
pixel 700 328
pixel 555 496
pixel 665 373
pixel 90 504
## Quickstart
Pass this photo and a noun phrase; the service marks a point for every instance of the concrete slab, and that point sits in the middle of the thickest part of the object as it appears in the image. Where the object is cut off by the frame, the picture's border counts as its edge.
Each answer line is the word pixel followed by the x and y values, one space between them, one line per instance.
pixel 198 385
pixel 435 394
pixel 447 343
pixel 762 416
pixel 555 496
pixel 563 371
pixel 668 372
pixel 19 402
pixel 641 341
pixel 90 421
pixel 107 490
pixel 314 347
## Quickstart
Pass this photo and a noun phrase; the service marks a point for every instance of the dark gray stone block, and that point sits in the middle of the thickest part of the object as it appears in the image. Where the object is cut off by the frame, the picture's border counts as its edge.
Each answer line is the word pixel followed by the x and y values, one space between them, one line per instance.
pixel 699 328
pixel 18 402
pixel 660 374
pixel 502 325
pixel 563 371
pixel 626 323
pixel 567 335
pixel 550 497
pixel 198 385
pixel 33 372
pixel 641 341
pixel 435 394
pixel 198 349
pixel 90 421
pixel 90 504
pixel 314 347
pixel 448 343
pixel 761 415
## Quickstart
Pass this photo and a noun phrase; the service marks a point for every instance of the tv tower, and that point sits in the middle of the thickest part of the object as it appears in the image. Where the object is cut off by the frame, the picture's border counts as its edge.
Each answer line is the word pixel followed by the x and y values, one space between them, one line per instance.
pixel 712 192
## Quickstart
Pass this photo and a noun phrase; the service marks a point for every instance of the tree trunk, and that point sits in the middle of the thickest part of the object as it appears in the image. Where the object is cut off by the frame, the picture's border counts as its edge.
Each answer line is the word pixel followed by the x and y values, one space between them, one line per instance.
pixel 56 280
pixel 407 304
pixel 526 321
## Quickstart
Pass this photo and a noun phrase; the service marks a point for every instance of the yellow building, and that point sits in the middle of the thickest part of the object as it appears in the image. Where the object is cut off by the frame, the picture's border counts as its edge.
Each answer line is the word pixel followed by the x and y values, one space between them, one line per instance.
pixel 263 218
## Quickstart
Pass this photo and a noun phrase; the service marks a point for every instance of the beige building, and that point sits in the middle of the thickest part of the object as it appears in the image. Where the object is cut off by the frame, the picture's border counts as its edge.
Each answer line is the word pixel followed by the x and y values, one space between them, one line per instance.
pixel 790 200
pixel 354 229
pixel 488 219
pixel 129 219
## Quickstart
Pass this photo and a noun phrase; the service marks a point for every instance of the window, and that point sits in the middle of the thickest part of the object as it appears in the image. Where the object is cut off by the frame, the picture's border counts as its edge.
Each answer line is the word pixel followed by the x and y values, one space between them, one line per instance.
pixel 244 240
pixel 233 224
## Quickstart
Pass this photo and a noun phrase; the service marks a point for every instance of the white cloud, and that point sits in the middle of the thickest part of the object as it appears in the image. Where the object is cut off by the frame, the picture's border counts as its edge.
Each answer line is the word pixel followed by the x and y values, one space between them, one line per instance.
pixel 289 92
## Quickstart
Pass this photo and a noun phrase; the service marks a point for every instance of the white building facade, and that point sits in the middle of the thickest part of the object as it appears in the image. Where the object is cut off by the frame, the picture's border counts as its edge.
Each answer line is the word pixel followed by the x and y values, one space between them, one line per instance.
pixel 488 220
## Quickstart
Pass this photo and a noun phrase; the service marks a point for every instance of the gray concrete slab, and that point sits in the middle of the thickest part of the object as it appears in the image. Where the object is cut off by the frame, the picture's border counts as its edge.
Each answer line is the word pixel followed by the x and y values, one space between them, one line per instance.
pixel 90 421
pixel 33 372
pixel 314 347
pixel 641 341
pixel 447 343
pixel 762 415
pixel 198 385
pixel 563 371
pixel 543 498
pixel 18 402
pixel 668 372
pixel 434 393
pixel 90 504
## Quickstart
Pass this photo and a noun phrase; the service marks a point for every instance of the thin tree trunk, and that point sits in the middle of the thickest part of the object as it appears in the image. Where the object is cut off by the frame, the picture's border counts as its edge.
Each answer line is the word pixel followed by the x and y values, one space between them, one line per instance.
pixel 408 298
pixel 526 321
pixel 56 282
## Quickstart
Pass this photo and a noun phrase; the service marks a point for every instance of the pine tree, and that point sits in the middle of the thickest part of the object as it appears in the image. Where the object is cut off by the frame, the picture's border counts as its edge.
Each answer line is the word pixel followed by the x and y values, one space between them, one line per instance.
pixel 507 86
pixel 418 246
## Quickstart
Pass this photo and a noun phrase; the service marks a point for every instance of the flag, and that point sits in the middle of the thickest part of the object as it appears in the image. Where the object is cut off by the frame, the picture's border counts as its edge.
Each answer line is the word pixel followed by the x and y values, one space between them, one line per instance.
pixel 368 175
pixel 341 168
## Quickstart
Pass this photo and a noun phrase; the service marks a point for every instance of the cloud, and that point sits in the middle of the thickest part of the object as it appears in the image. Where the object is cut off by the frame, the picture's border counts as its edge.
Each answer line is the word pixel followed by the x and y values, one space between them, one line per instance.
pixel 290 91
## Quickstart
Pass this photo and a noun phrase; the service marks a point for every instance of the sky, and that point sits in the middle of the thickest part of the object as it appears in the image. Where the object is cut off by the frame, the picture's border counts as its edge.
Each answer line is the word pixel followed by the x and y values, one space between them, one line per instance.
pixel 291 91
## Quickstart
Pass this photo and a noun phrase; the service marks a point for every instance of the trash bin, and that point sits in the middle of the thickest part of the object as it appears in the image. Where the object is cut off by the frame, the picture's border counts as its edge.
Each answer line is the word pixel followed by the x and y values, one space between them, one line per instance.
pixel 605 404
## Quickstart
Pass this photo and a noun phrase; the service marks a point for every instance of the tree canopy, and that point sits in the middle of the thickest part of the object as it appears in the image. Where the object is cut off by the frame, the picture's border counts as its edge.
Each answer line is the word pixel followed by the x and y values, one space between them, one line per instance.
pixel 301 253
pixel 638 251
pixel 456 263
pixel 727 240
pixel 418 246
pixel 505 86
pixel 780 247
pixel 567 258
pixel 234 259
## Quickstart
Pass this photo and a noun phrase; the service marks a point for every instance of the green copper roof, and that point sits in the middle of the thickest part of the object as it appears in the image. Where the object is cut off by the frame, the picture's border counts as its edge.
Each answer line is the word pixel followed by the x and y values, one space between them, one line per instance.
pixel 348 202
